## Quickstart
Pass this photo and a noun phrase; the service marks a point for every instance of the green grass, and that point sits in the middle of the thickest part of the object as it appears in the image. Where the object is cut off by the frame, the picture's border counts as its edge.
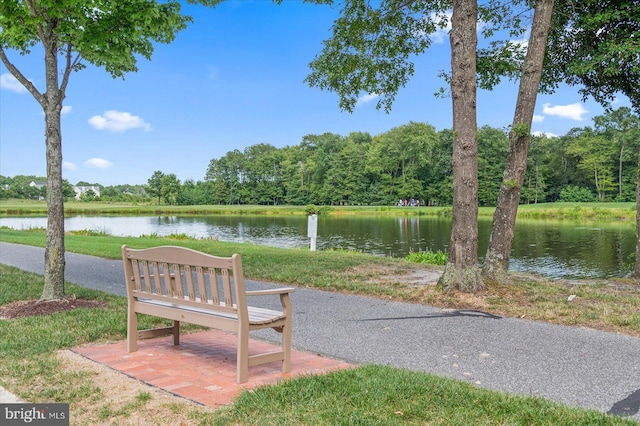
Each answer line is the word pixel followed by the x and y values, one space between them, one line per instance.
pixel 597 304
pixel 380 395
pixel 564 211
pixel 368 395
pixel 320 269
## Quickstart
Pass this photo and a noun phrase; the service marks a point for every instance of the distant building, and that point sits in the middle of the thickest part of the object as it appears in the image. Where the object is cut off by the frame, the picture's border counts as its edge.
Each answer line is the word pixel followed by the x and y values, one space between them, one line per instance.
pixel 38 185
pixel 84 188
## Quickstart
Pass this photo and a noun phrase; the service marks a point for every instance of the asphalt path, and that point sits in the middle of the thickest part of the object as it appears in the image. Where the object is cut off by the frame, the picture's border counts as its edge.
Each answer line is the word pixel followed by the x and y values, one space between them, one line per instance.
pixel 576 366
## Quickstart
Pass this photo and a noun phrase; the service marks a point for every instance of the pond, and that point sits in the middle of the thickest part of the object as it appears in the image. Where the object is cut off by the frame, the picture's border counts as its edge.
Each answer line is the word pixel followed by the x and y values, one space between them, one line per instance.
pixel 559 249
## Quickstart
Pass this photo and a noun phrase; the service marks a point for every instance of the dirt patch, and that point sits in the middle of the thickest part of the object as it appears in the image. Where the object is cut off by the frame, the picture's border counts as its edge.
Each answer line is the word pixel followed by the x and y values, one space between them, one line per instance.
pixel 120 398
pixel 412 275
pixel 29 308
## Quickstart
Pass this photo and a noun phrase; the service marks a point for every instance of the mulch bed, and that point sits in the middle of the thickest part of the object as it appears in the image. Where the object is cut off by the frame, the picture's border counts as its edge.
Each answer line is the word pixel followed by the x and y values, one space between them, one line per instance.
pixel 29 308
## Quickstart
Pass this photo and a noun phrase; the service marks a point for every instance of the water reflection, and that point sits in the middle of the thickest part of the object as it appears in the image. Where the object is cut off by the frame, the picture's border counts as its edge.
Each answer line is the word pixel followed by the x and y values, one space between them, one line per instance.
pixel 555 249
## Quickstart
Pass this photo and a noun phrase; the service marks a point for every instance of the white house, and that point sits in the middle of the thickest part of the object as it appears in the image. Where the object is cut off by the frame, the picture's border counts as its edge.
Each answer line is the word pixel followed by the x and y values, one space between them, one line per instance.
pixel 84 188
pixel 38 185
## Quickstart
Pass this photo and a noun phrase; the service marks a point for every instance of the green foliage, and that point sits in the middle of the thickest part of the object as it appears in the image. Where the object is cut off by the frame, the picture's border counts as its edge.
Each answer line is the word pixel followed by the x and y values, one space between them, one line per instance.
pixel 603 58
pixel 408 161
pixel 371 50
pixel 181 236
pixel 428 257
pixel 521 129
pixel 492 155
pixel 89 232
pixel 576 194
pixel 87 31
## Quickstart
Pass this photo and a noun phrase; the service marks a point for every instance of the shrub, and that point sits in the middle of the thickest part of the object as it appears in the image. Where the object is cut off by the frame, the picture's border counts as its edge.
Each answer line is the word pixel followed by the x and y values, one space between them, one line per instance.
pixel 428 257
pixel 577 194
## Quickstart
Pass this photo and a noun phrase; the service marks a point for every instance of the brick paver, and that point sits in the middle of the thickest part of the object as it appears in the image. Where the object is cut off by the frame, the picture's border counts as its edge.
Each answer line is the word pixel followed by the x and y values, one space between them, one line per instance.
pixel 203 367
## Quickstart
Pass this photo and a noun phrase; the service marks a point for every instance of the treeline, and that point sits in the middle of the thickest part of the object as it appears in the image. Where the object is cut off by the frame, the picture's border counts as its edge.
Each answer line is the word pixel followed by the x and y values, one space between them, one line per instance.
pixel 412 161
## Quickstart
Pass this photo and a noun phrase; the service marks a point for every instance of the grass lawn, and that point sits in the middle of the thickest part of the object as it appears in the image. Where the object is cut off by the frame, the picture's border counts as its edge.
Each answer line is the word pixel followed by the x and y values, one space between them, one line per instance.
pixel 608 306
pixel 369 395
pixel 31 364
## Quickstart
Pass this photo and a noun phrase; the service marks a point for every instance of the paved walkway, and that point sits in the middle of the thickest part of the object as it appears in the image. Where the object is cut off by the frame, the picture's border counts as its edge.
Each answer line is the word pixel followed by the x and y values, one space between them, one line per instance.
pixel 576 366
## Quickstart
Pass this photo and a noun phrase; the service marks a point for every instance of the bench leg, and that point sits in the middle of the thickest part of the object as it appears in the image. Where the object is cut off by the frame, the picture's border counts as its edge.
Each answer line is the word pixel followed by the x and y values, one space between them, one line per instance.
pixel 286 346
pixel 242 360
pixel 132 331
pixel 176 332
pixel 286 333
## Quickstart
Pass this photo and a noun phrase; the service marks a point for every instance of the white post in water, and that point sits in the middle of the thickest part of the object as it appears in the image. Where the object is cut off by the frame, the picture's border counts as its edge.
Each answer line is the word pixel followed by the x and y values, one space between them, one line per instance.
pixel 312 230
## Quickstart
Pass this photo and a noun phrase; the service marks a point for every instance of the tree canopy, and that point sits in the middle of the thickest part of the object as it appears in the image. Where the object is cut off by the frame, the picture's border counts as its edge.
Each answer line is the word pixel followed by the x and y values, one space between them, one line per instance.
pixel 595 45
pixel 71 34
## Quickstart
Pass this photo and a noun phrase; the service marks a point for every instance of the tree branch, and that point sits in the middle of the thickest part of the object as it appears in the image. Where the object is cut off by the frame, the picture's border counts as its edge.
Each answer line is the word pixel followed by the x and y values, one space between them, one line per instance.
pixel 34 12
pixel 69 66
pixel 21 78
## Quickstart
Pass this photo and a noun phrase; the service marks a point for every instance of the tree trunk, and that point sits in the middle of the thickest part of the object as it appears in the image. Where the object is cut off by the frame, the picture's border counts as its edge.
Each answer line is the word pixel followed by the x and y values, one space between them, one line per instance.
pixel 462 272
pixel 54 261
pixel 620 168
pixel 496 263
pixel 636 270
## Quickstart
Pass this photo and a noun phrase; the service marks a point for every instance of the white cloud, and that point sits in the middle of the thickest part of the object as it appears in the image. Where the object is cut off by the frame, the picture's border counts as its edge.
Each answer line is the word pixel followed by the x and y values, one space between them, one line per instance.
pixel 97 163
pixel 9 82
pixel 66 109
pixel 441 35
pixel 116 121
pixel 538 118
pixel 545 134
pixel 573 111
pixel 68 166
pixel 367 98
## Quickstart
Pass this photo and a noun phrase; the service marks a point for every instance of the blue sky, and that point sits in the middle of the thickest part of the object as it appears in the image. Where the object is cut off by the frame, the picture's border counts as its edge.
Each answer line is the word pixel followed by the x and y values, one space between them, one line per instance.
pixel 232 79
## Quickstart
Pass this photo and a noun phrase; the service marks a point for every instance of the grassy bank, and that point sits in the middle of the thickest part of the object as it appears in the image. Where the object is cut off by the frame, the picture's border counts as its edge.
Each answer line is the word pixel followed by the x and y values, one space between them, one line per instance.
pixel 563 211
pixel 33 367
pixel 596 304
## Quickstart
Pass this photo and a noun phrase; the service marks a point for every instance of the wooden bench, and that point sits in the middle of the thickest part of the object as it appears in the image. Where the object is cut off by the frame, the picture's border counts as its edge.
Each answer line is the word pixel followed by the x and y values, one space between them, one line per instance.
pixel 185 285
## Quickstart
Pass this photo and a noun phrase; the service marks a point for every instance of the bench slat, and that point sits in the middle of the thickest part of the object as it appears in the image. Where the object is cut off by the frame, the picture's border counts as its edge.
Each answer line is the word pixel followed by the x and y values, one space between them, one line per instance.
pixel 226 287
pixel 213 286
pixel 177 281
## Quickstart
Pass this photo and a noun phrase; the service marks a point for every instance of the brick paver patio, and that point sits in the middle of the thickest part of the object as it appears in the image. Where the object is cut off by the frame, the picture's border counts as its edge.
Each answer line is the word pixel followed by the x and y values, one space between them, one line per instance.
pixel 203 367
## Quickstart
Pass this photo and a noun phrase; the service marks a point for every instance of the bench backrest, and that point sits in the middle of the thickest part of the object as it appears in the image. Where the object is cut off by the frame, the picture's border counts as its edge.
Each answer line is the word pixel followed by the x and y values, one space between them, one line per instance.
pixel 186 276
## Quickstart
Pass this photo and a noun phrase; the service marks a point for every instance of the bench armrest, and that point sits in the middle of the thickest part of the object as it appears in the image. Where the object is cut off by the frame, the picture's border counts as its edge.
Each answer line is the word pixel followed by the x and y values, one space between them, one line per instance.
pixel 284 290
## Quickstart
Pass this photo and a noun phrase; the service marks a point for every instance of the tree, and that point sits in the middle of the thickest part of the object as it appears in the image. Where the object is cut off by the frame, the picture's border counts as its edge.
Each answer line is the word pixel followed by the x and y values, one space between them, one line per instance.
pixel 617 126
pixel 170 188
pixel 154 185
pixel 596 45
pixel 496 262
pixel 595 153
pixel 492 154
pixel 370 52
pixel 344 179
pixel 75 34
pixel 461 271
pixel 399 156
pixel 228 176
